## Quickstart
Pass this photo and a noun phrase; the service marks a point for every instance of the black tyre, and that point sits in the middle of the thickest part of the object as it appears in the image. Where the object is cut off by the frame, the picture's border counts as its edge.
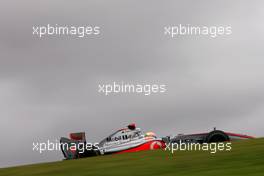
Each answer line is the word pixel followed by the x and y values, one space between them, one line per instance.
pixel 216 136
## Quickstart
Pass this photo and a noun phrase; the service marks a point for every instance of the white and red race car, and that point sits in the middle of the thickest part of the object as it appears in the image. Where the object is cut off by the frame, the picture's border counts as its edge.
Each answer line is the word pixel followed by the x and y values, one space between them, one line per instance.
pixel 129 139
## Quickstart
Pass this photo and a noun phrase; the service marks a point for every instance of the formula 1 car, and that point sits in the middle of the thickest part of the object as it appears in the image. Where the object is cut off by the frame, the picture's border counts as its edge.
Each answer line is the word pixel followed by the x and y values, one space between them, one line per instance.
pixel 129 139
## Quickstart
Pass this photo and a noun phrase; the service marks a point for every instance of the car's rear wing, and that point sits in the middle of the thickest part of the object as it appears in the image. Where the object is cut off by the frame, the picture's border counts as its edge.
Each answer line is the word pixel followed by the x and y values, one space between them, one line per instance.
pixel 70 147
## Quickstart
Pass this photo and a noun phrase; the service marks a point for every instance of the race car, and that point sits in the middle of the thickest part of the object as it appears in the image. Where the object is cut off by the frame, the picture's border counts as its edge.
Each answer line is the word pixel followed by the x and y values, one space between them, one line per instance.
pixel 129 139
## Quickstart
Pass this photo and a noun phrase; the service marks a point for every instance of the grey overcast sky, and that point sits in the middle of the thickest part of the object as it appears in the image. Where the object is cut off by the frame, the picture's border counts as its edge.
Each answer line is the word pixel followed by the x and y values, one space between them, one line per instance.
pixel 49 86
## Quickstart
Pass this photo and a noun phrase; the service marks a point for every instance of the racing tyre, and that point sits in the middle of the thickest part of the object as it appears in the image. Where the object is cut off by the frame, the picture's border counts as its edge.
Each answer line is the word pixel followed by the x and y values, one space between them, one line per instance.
pixel 216 136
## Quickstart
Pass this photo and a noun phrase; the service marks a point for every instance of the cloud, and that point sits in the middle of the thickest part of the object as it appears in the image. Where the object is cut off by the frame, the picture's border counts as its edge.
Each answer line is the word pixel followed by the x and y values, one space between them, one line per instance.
pixel 48 87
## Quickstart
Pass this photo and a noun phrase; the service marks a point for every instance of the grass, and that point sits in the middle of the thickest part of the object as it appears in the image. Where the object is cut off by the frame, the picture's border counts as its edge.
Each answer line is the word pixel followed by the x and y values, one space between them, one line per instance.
pixel 245 158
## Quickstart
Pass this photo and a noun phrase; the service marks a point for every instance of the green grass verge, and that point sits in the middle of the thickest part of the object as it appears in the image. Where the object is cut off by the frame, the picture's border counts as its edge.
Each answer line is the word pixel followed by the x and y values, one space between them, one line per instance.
pixel 245 158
